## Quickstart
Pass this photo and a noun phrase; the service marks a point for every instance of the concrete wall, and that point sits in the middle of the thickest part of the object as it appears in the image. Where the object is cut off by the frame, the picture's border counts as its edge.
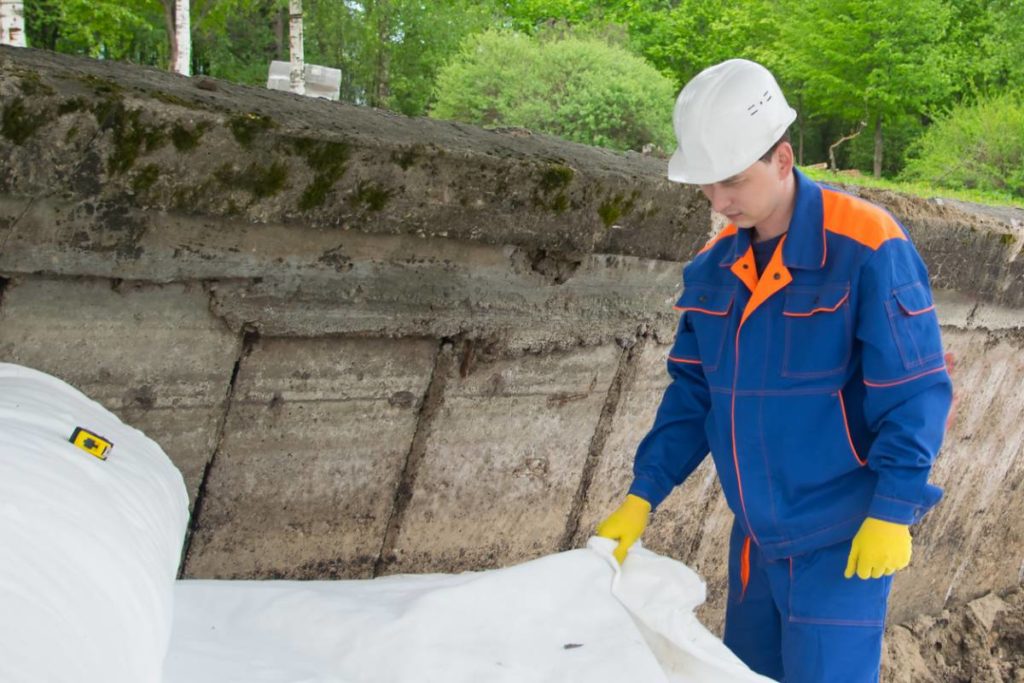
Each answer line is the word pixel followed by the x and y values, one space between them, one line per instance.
pixel 445 365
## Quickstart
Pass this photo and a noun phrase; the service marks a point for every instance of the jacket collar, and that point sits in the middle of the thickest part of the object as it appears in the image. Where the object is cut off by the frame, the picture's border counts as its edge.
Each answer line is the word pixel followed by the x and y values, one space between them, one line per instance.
pixel 804 246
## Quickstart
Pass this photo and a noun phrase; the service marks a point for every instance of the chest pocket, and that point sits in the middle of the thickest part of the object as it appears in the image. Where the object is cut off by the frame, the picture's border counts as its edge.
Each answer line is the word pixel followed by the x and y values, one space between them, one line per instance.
pixel 819 334
pixel 707 310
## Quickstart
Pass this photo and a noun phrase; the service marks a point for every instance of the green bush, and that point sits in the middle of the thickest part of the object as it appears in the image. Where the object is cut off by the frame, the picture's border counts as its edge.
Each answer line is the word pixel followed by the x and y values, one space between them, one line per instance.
pixel 580 89
pixel 979 146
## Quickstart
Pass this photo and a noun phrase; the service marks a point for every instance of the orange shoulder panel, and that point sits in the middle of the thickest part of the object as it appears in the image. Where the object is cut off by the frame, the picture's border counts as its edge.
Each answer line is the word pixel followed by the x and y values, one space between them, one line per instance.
pixel 858 219
pixel 722 234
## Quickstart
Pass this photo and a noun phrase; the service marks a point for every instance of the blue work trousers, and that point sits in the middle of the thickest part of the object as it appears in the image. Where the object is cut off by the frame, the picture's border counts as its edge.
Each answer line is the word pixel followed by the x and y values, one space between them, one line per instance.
pixel 799 620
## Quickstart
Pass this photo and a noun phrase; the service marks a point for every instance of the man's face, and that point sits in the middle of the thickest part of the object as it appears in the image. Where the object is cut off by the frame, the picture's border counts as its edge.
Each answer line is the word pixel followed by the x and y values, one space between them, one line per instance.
pixel 756 193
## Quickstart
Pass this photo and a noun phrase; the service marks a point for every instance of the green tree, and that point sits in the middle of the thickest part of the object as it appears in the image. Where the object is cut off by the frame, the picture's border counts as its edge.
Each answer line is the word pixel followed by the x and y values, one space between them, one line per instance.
pixel 679 37
pixel 580 89
pixel 110 29
pixel 870 60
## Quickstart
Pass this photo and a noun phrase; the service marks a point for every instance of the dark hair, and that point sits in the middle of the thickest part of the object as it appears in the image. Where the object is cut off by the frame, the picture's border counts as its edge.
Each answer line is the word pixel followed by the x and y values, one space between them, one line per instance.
pixel 767 156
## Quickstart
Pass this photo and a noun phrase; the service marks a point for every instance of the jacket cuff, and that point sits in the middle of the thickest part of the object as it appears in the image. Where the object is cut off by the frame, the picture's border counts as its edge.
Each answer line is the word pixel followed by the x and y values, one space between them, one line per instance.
pixel 649 491
pixel 902 511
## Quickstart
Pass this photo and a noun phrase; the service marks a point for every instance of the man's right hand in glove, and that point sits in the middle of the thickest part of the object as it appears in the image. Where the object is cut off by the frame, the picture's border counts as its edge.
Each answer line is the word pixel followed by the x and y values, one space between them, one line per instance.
pixel 626 524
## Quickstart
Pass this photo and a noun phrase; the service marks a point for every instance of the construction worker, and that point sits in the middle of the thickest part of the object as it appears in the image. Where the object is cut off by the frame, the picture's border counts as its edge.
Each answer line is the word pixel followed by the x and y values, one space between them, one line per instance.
pixel 808 361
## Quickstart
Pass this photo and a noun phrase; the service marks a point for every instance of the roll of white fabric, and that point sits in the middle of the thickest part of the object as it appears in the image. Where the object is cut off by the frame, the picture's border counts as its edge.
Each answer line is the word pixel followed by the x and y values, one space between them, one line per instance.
pixel 90 538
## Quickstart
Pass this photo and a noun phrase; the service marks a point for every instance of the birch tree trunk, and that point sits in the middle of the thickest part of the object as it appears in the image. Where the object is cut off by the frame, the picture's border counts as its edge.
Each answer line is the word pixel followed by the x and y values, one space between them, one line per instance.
pixel 182 38
pixel 295 43
pixel 12 23
pixel 172 35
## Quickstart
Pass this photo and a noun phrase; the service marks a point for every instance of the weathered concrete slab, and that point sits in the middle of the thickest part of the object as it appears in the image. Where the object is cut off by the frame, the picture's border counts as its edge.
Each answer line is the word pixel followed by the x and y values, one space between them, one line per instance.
pixel 157 141
pixel 503 461
pixel 154 355
pixel 972 541
pixel 316 439
pixel 301 281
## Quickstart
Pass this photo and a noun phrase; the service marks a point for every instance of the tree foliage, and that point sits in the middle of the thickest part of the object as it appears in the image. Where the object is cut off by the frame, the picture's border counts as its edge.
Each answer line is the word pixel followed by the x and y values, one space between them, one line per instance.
pixel 840 62
pixel 975 146
pixel 870 60
pixel 580 89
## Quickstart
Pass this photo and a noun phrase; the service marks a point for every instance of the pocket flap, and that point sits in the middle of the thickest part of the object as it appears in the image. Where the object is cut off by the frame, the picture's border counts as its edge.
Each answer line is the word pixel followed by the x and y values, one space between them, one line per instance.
pixel 703 299
pixel 914 298
pixel 805 302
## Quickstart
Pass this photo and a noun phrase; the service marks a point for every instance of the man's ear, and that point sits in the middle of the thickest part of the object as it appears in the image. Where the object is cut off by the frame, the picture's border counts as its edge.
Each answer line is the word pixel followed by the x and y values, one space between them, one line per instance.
pixel 784 160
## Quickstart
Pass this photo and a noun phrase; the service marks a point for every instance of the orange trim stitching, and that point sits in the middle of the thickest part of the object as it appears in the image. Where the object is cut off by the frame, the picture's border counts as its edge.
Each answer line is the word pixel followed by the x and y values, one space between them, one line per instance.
pixel 824 244
pixel 903 381
pixel 735 456
pixel 842 409
pixel 923 310
pixel 818 310
pixel 700 310
pixel 745 567
pixel 685 360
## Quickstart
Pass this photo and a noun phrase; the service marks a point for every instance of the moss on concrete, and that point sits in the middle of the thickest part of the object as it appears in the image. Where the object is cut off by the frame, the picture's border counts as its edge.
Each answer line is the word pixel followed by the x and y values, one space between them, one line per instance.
pixel 75 104
pixel 259 180
pixel 247 127
pixel 131 136
pixel 372 196
pixel 168 98
pixel 186 138
pixel 615 207
pixel 556 178
pixel 327 159
pixel 407 158
pixel 551 188
pixel 145 178
pixel 19 123
pixel 33 86
pixel 100 86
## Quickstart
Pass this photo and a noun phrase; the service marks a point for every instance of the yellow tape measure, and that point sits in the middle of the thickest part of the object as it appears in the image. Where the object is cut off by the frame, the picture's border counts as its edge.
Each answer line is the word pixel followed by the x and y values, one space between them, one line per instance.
pixel 91 443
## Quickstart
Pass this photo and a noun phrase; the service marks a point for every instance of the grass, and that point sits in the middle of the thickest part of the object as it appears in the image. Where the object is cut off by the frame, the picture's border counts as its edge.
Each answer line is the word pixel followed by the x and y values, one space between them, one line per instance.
pixel 917 189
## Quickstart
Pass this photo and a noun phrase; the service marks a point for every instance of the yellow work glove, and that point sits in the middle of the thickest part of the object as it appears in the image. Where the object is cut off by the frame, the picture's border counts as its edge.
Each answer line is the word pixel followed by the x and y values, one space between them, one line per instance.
pixel 880 548
pixel 626 524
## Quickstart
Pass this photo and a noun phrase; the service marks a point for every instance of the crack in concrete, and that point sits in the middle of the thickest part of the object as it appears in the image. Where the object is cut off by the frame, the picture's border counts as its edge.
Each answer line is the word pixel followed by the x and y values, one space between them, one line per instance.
pixel 969 322
pixel 433 399
pixel 625 375
pixel 247 342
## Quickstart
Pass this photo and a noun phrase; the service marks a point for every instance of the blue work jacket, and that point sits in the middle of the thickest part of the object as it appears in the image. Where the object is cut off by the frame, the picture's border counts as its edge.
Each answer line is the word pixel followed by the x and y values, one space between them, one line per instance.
pixel 820 387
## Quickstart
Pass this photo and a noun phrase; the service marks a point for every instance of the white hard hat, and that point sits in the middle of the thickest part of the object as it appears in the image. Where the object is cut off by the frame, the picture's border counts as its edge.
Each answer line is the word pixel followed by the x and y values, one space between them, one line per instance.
pixel 725 119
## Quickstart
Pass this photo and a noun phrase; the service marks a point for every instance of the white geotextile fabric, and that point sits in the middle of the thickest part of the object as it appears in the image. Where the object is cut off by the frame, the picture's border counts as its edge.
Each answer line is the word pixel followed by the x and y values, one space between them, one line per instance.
pixel 88 548
pixel 568 617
